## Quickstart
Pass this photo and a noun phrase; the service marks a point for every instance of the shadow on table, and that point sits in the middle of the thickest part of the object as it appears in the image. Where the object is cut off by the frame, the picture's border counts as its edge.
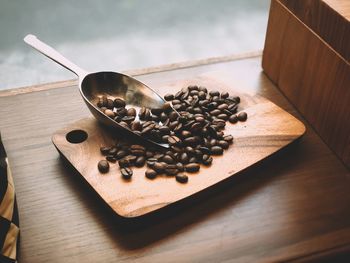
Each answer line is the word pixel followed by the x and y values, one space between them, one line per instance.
pixel 136 233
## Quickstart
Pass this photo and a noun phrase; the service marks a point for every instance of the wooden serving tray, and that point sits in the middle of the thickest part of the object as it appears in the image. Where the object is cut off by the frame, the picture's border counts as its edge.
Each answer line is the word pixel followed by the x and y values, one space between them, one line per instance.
pixel 268 129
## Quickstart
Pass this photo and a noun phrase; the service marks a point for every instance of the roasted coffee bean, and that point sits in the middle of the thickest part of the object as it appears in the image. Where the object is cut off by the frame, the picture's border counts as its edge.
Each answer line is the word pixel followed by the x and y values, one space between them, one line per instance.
pixel 159 167
pixel 189 150
pixel 195 127
pixel 204 89
pixel 222 116
pixel 174 140
pixel 119 103
pixel 140 161
pixel 180 167
pixel 164 130
pixel 109 113
pixel 105 150
pixel 103 166
pixel 167 107
pixel 147 129
pixel 149 154
pixel 191 141
pixel 131 112
pixel 151 161
pixel 124 162
pixel 169 97
pixel 128 118
pixel 184 158
pixel 150 173
pixel 223 106
pixel 181 178
pixel 172 116
pixel 122 112
pixel 207 160
pixel 174 102
pixel 111 158
pixel 136 126
pixel 236 99
pixel 120 154
pixel 223 144
pixel 204 150
pixel 168 159
pixel 214 93
pixel 170 171
pixel 233 108
pixel 192 87
pixel 126 173
pixel 100 102
pixel 233 118
pixel 215 112
pixel 224 95
pixel 131 159
pixel 216 150
pixel 228 138
pixel 156 111
pixel 192 167
pixel 242 116
pixel 109 104
pixel 113 151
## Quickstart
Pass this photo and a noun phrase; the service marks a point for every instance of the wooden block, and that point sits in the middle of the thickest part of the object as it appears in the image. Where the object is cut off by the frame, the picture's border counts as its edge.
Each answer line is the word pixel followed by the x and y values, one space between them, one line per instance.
pixel 268 129
pixel 327 18
pixel 314 77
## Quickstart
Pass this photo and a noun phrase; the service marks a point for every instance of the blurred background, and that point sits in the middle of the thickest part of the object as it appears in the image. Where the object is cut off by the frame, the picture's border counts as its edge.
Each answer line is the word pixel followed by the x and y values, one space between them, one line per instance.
pixel 122 35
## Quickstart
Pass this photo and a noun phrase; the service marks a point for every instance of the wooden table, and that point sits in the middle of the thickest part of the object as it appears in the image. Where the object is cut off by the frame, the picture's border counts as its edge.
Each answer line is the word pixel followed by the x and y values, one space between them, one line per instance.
pixel 293 206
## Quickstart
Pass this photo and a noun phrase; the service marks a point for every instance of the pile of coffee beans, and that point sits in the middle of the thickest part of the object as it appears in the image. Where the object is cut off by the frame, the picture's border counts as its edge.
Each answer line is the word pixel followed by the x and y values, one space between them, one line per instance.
pixel 194 132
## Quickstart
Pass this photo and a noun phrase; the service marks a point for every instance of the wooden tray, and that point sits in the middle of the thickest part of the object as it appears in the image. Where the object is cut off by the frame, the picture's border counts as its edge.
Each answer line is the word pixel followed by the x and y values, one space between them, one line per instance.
pixel 267 130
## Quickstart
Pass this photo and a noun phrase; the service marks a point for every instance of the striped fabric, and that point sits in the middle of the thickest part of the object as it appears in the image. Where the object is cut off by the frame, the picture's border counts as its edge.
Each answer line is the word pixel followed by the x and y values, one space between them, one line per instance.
pixel 9 227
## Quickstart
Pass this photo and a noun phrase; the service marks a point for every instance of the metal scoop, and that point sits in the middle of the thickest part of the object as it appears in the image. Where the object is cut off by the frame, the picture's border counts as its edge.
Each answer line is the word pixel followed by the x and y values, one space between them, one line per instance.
pixel 94 85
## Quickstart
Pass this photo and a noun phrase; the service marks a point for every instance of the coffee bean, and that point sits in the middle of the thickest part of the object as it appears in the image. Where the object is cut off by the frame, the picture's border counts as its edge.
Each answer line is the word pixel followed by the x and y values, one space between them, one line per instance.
pixel 131 112
pixel 192 167
pixel 159 167
pixel 120 154
pixel 224 95
pixel 119 103
pixel 242 116
pixel 128 118
pixel 180 167
pixel 174 140
pixel 216 150
pixel 150 173
pixel 214 93
pixel 222 116
pixel 228 138
pixel 111 158
pixel 126 173
pixel 103 166
pixel 223 106
pixel 168 159
pixel 170 171
pixel 181 178
pixel 215 112
pixel 207 160
pixel 136 126
pixel 156 111
pixel 223 144
pixel 191 141
pixel 233 118
pixel 167 107
pixel 124 162
pixel 169 97
pixel 105 150
pixel 140 161
pixel 184 158
pixel 109 113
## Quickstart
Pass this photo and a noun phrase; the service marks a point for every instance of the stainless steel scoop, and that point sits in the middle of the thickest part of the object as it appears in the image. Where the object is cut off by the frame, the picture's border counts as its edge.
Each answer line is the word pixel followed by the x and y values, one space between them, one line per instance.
pixel 94 85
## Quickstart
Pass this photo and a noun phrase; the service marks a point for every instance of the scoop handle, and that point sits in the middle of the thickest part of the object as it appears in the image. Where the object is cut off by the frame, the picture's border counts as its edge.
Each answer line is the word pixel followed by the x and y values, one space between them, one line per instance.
pixel 51 53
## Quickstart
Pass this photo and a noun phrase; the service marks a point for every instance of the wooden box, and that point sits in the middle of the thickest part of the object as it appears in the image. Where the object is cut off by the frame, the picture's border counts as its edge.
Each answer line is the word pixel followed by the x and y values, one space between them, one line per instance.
pixel 307 55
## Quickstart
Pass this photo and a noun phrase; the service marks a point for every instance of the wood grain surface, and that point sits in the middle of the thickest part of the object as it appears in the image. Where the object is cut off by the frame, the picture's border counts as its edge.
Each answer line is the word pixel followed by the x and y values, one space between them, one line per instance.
pixel 293 206
pixel 312 76
pixel 268 129
pixel 330 19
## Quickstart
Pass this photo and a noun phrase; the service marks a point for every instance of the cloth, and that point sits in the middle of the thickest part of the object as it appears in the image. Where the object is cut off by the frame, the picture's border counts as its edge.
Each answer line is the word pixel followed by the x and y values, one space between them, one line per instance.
pixel 9 225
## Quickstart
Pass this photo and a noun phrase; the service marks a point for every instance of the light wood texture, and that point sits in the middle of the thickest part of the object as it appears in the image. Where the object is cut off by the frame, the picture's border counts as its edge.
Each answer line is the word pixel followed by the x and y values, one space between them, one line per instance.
pixel 294 205
pixel 311 75
pixel 268 129
pixel 330 19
